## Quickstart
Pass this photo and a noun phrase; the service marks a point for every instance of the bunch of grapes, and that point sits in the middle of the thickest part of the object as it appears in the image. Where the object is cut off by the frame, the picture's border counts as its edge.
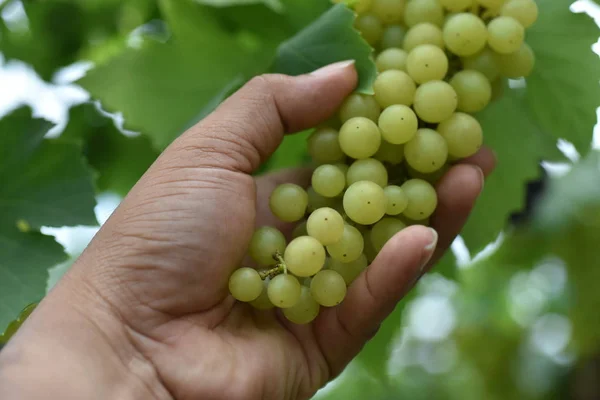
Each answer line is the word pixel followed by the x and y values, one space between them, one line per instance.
pixel 378 159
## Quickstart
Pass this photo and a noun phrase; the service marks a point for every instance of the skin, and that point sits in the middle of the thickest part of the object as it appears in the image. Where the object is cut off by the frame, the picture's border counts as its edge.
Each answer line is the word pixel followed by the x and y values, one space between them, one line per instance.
pixel 145 313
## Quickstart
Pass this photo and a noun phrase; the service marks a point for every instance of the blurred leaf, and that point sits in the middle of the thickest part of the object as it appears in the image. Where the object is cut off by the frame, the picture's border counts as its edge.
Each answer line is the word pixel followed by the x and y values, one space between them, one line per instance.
pixel 329 39
pixel 275 5
pixel 566 78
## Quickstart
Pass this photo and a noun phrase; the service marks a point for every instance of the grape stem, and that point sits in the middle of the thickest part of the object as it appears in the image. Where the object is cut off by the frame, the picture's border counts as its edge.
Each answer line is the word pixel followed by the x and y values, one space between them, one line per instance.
pixel 279 268
pixel 280 262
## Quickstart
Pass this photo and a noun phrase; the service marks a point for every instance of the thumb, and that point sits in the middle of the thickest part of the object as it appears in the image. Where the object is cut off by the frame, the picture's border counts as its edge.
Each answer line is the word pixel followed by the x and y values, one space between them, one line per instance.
pixel 247 128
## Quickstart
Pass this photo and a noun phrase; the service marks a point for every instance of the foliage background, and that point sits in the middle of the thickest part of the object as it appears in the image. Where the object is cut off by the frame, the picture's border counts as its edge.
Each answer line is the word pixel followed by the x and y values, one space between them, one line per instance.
pixel 120 79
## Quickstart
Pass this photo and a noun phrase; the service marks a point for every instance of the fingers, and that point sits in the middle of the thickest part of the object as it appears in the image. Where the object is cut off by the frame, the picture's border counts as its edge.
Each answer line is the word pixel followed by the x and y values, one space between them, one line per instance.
pixel 343 330
pixel 249 126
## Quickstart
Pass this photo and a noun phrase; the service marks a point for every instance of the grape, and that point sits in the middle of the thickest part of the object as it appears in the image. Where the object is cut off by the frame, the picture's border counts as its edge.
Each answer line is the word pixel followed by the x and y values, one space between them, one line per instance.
pixel 370 27
pixel 435 101
pixel 394 87
pixel 524 11
pixel 350 270
pixel 456 5
pixel 262 302
pixel 422 199
pixel 284 291
pixel 328 288
pixel 465 34
pixel 393 35
pixel 427 63
pixel 245 284
pixel 427 151
pixel 423 33
pixel 517 64
pixel 396 200
pixel 344 168
pixel 305 310
pixel 473 89
pixel 391 59
pixel 350 247
pixel 304 256
pixel 491 4
pixel 384 230
pixel 265 242
pixel 398 124
pixel 367 169
pixel 288 202
pixel 431 177
pixel 390 153
pixel 300 230
pixel 505 35
pixel 369 250
pixel 365 202
pixel 324 146
pixel 484 62
pixel 419 11
pixel 462 133
pixel 328 180
pixel 326 225
pixel 359 105
pixel 316 201
pixel 360 137
pixel 388 11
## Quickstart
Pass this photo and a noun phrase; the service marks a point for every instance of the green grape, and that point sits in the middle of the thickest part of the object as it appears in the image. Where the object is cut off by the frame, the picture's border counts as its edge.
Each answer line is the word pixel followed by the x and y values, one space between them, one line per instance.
pixel 505 35
pixel 344 168
pixel 398 124
pixel 422 199
pixel 304 256
pixel 384 230
pixel 393 35
pixel 350 247
pixel 326 225
pixel 360 6
pixel 427 63
pixel 265 242
pixel 473 89
pixel 491 4
pixel 284 291
pixel 391 59
pixel 262 302
pixel 300 230
pixel 367 169
pixel 328 180
pixel 316 201
pixel 369 249
pixel 524 11
pixel 305 310
pixel 370 27
pixel 328 288
pixel 427 151
pixel 324 146
pixel 365 202
pixel 435 101
pixel 423 33
pixel 245 284
pixel 412 222
pixel 360 137
pixel 456 5
pixel 518 64
pixel 359 105
pixel 484 62
pixel 288 202
pixel 432 177
pixel 390 153
pixel 397 201
pixel 465 34
pixel 462 133
pixel 350 270
pixel 388 11
pixel 394 87
pixel 419 11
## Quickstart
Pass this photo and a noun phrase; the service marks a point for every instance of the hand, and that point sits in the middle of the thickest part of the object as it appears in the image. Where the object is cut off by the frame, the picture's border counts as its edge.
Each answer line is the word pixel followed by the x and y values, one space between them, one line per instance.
pixel 145 311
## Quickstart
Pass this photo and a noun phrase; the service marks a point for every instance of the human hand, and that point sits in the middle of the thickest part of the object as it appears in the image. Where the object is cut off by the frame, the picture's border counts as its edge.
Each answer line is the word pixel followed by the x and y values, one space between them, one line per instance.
pixel 145 311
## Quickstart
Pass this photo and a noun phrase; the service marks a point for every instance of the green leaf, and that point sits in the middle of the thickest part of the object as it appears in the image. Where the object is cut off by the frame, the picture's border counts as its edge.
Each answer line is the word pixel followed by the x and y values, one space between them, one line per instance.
pixel 564 89
pixel 275 5
pixel 329 39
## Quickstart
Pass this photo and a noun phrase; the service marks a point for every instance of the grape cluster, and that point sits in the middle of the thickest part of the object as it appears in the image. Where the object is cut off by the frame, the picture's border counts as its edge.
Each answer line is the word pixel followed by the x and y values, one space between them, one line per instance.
pixel 378 159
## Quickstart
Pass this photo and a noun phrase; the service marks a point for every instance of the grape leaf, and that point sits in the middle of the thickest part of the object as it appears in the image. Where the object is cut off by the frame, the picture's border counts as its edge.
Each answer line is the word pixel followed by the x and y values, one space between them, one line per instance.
pixel 566 78
pixel 330 38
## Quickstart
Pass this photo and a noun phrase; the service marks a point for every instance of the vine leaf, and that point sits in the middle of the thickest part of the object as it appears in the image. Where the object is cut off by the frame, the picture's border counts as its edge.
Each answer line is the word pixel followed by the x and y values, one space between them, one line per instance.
pixel 329 39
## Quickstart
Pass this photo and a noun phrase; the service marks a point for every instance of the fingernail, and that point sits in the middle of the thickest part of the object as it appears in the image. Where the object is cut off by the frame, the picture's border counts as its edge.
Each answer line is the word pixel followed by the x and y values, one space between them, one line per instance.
pixel 481 176
pixel 332 68
pixel 430 248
